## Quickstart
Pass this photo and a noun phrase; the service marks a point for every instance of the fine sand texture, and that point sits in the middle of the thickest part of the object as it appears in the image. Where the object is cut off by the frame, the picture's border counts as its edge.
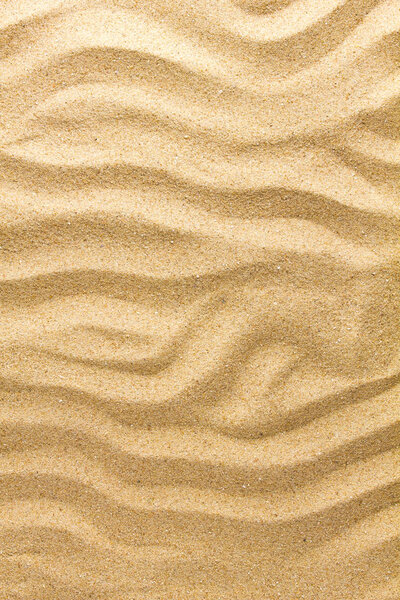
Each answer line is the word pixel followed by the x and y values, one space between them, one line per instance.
pixel 199 300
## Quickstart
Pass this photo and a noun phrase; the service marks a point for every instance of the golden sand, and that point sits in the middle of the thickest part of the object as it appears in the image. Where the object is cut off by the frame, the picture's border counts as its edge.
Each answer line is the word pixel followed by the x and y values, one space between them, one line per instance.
pixel 200 299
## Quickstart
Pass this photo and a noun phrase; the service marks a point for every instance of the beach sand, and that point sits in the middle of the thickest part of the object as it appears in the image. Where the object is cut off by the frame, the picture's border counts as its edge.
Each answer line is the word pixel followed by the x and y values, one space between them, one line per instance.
pixel 199 300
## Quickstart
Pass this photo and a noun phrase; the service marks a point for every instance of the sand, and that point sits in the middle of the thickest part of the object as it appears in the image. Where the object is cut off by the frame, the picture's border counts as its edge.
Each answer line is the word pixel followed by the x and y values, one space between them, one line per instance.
pixel 199 300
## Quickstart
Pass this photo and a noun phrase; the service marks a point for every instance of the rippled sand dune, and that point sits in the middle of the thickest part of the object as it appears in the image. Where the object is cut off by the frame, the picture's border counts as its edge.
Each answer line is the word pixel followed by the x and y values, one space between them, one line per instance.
pixel 199 299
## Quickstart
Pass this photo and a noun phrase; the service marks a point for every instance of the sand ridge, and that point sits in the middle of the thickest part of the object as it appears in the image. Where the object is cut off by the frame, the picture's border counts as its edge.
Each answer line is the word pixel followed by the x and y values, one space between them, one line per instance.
pixel 199 299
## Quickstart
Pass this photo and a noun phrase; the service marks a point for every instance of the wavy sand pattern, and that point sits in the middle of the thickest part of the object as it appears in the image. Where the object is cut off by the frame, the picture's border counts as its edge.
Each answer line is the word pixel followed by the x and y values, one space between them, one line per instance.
pixel 199 288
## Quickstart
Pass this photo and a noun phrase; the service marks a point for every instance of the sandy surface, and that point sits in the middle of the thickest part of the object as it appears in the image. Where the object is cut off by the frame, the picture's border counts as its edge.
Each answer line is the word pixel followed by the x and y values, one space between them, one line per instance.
pixel 199 299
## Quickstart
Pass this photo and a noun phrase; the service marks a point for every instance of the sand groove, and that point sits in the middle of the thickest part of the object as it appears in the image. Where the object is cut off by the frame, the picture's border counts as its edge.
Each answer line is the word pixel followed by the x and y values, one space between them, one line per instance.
pixel 199 299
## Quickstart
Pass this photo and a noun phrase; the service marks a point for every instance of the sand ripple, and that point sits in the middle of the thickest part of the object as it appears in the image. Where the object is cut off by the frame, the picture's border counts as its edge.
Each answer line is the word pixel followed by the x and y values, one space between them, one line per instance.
pixel 199 299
